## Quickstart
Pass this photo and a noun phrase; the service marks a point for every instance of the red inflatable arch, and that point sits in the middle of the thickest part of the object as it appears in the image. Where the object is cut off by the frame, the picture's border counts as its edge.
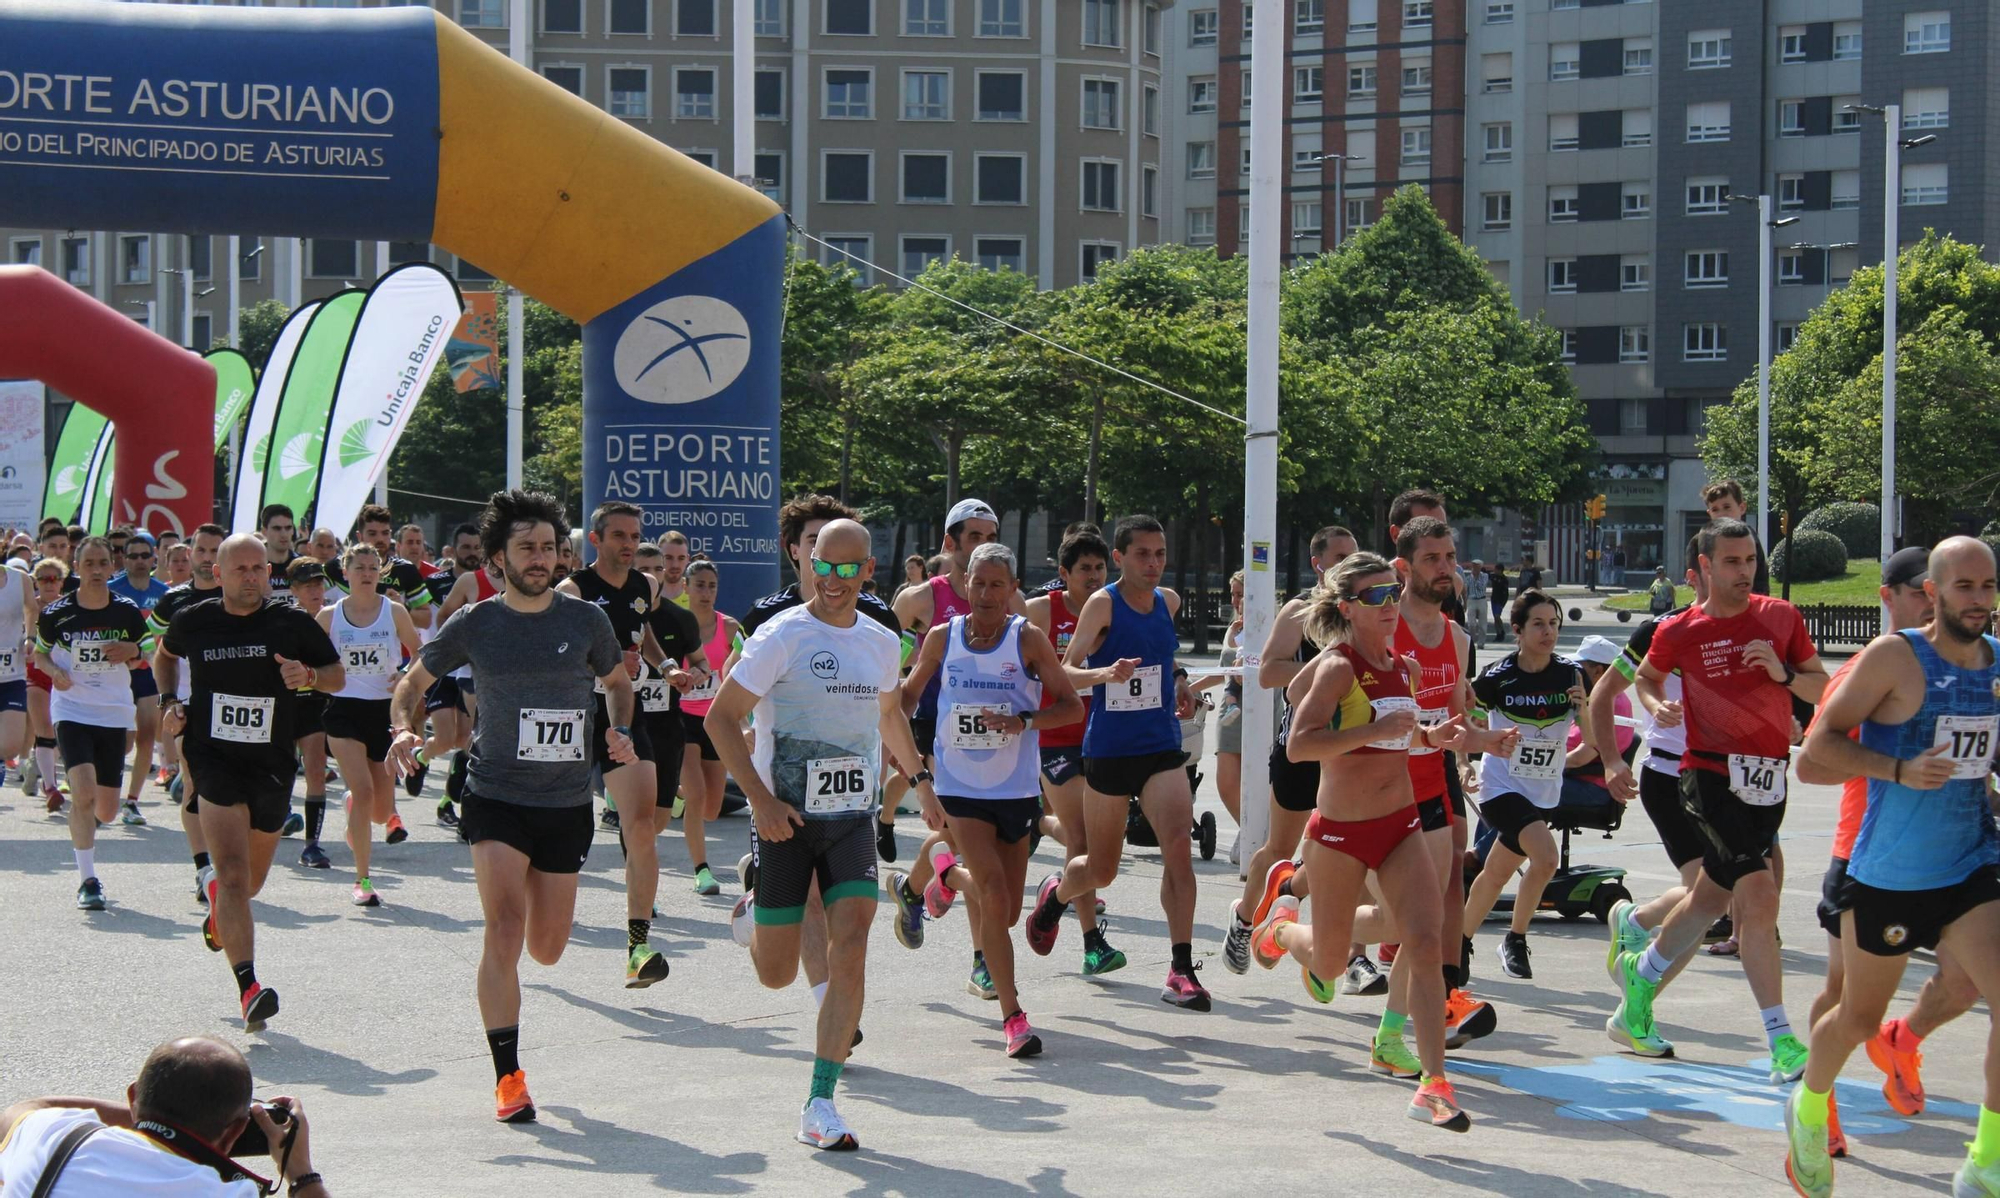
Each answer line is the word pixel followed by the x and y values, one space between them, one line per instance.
pixel 159 397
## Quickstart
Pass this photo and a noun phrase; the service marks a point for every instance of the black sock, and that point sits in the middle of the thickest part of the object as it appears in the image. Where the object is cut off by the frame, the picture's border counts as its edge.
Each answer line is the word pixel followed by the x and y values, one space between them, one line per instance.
pixel 636 931
pixel 246 976
pixel 1050 912
pixel 505 1045
pixel 1453 978
pixel 700 865
pixel 1184 958
pixel 201 861
pixel 1094 938
pixel 315 817
pixel 978 956
pixel 454 782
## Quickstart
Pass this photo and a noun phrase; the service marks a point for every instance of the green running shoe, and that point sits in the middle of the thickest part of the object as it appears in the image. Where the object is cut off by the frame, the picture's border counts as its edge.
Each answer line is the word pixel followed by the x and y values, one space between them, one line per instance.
pixel 1626 936
pixel 1788 1060
pixel 705 883
pixel 1621 1034
pixel 1101 958
pixel 643 967
pixel 980 984
pixel 1320 991
pixel 1975 1182
pixel 1639 994
pixel 1393 1057
pixel 1806 1161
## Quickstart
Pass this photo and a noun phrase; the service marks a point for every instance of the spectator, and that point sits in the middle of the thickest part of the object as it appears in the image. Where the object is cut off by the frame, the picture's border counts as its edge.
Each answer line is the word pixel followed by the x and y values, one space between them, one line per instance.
pixel 915 572
pixel 1661 597
pixel 1531 576
pixel 1476 607
pixel 171 1136
pixel 1497 597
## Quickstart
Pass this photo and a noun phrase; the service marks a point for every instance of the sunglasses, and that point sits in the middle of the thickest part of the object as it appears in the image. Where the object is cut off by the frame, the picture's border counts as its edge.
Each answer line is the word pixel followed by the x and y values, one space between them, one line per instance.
pixel 838 569
pixel 1379 594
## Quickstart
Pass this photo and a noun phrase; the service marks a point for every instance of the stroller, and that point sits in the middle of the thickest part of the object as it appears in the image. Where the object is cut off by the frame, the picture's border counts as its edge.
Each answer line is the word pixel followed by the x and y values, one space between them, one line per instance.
pixel 1575 890
pixel 1139 830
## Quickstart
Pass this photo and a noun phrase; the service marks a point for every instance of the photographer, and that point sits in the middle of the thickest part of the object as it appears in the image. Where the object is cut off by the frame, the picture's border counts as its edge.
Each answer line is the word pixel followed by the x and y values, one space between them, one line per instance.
pixel 184 1117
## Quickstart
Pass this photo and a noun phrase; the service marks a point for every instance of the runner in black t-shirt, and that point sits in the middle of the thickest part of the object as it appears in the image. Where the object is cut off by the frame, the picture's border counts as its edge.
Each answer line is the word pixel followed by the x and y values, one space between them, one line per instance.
pixel 203 544
pixel 248 654
pixel 660 689
pixel 277 526
pixel 306 588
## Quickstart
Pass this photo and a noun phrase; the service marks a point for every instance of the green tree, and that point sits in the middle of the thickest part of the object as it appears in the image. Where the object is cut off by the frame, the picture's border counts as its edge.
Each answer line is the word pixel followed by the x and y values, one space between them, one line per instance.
pixel 260 324
pixel 829 324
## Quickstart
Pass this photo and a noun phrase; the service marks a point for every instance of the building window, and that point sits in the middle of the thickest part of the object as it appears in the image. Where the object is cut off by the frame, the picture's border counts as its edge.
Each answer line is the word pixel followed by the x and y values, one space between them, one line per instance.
pixel 1840 264
pixel 850 93
pixel 1635 201
pixel 1791 267
pixel 1791 118
pixel 1360 16
pixel 1708 121
pixel 1003 18
pixel 768 95
pixel 926 96
pixel 1309 16
pixel 562 16
pixel 1635 273
pixel 694 18
pixel 1103 22
pixel 1308 84
pixel 1100 185
pixel 1706 342
pixel 847 176
pixel 1248 15
pixel 768 18
pixel 1201 159
pixel 1845 121
pixel 1792 43
pixel 1150 26
pixel 1496 73
pixel 28 252
pixel 1635 344
pixel 631 16
pixel 1149 191
pixel 1360 214
pixel 1416 14
pixel 770 170
pixel 1499 142
pixel 1101 104
pixel 249 265
pixel 1926 107
pixel 482 14
pixel 1305 153
pixel 1000 253
pixel 1002 95
pixel 1926 183
pixel 1307 218
pixel 1788 334
pixel 200 258
pixel 1094 254
pixel 1562 276
pixel 1202 24
pixel 1248 91
pixel 1202 91
pixel 1568 342
pixel 1000 179
pixel 1708 49
pixel 694 94
pixel 854 251
pixel 1632 417
pixel 1562 203
pixel 1845 192
pixel 1150 116
pixel 1791 193
pixel 1707 268
pixel 1361 81
pixel 1562 131
pixel 1246 162
pixel 630 92
pixel 1637 127
pixel 926 18
pixel 1201 226
pixel 1565 61
pixel 852 18
pixel 920 252
pixel 1926 32
pixel 1560 5
pixel 926 178
pixel 1417 79
pixel 1497 210
pixel 1638 56
pixel 568 78
pixel 1847 41
pixel 330 259
pixel 1416 147
pixel 1499 12
pixel 1707 196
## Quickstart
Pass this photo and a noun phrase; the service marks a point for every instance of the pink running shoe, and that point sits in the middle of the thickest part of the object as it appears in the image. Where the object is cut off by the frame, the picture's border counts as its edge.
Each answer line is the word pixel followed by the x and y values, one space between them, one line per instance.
pixel 1021 1039
pixel 938 897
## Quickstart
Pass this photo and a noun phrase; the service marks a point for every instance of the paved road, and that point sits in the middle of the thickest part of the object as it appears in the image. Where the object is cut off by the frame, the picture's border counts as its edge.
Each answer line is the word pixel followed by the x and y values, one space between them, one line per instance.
pixel 693 1086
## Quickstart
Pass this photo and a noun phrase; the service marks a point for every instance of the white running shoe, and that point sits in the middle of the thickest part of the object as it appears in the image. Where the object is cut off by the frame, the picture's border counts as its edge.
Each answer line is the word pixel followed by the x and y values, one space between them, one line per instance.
pixel 743 919
pixel 822 1127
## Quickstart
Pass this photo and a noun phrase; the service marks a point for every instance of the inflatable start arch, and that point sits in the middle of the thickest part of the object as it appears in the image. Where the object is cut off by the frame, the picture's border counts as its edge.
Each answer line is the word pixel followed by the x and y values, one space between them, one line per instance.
pixel 397 125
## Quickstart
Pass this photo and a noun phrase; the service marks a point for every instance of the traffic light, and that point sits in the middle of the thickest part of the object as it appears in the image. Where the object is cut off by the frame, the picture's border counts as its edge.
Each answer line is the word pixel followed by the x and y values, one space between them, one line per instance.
pixel 1594 507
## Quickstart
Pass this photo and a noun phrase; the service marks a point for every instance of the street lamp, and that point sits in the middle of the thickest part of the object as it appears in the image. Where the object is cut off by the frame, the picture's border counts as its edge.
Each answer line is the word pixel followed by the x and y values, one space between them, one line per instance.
pixel 1764 226
pixel 187 300
pixel 1340 162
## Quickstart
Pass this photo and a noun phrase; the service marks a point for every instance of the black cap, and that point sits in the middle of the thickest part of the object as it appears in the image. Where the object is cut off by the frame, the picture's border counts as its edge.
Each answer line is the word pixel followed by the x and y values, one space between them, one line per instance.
pixel 1907 568
pixel 303 570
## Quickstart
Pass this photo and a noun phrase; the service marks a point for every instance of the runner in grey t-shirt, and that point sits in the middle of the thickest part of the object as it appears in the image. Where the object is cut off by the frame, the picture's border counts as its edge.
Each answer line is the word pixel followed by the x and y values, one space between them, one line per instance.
pixel 536 655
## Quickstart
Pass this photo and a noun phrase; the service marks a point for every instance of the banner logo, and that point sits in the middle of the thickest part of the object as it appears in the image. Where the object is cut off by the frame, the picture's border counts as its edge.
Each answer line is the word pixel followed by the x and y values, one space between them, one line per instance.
pixel 682 350
pixel 70 480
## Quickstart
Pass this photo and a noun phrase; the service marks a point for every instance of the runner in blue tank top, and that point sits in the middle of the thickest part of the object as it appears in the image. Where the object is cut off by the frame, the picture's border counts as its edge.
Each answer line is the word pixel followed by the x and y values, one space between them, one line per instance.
pixel 1123 649
pixel 1925 869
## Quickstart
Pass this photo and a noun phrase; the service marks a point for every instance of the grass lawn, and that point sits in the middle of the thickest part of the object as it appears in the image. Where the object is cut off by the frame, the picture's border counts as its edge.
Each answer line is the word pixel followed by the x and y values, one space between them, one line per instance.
pixel 1858 587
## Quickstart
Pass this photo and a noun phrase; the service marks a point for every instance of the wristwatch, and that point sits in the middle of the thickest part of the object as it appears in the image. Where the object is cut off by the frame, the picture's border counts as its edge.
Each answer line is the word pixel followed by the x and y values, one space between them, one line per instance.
pixel 920 777
pixel 1027 718
pixel 622 730
pixel 1790 674
pixel 302 1181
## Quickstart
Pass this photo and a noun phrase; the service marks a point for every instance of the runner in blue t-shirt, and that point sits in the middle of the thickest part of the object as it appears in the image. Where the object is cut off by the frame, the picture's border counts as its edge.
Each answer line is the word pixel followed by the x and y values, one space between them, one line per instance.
pixel 136 582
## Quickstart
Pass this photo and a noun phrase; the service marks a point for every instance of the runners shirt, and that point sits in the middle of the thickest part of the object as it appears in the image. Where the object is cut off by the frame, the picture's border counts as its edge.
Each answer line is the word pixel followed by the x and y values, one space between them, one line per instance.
pixel 162 616
pixel 1062 623
pixel 1538 703
pixel 237 704
pixel 1732 707
pixel 865 604
pixel 371 652
pixel 100 692
pixel 1376 692
pixel 1135 717
pixel 1854 791
pixel 13 630
pixel 819 744
pixel 1926 839
pixel 1306 651
pixel 1437 679
pixel 1664 746
pixel 973 763
pixel 114 1163
pixel 531 741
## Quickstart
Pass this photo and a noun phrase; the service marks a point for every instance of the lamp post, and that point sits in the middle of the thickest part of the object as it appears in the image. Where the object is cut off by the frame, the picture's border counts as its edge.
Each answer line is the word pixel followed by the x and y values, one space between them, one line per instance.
pixel 1764 227
pixel 1340 162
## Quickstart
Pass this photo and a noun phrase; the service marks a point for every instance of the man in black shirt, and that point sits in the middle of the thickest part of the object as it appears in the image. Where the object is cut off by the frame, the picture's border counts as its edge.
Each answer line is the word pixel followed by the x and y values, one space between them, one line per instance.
pixel 203 545
pixel 278 527
pixel 402 579
pixel 249 654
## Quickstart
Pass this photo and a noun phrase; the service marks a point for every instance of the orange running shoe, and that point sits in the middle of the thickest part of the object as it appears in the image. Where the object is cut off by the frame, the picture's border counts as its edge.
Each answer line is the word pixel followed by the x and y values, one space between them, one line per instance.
pixel 397 832
pixel 1436 1104
pixel 1466 1019
pixel 511 1103
pixel 1274 882
pixel 1904 1085
pixel 1836 1141
pixel 1264 944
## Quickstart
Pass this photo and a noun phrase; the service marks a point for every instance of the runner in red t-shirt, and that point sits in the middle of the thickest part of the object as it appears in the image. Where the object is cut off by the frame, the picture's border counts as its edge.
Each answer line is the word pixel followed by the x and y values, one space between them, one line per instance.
pixel 1741 658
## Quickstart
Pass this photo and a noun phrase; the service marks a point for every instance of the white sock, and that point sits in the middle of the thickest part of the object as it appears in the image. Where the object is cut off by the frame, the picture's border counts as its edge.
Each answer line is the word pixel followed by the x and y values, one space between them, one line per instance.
pixel 1775 1023
pixel 86 864
pixel 819 994
pixel 45 765
pixel 1653 965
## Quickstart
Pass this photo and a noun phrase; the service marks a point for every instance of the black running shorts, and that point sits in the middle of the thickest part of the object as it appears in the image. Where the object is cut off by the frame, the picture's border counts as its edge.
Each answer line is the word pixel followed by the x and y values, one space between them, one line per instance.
pixel 1660 794
pixel 668 735
pixel 1013 819
pixel 601 753
pixel 88 744
pixel 1889 923
pixel 1125 777
pixel 1736 838
pixel 838 853
pixel 443 693
pixel 365 720
pixel 1509 815
pixel 1062 763
pixel 555 840
pixel 697 736
pixel 1294 784
pixel 308 715
pixel 223 781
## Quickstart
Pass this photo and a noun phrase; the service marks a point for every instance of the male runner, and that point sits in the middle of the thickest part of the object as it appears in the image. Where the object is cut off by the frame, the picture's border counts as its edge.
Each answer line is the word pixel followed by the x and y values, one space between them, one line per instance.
pixel 538 655
pixel 305 582
pixel 824 685
pixel 1742 657
pixel 410 547
pixel 1084 565
pixel 1124 647
pixel 451 727
pixel 674 564
pixel 683 668
pixel 136 582
pixel 86 643
pixel 1724 501
pixel 625 596
pixel 276 524
pixel 249 655
pixel 402 580
pixel 1925 869
pixel 203 546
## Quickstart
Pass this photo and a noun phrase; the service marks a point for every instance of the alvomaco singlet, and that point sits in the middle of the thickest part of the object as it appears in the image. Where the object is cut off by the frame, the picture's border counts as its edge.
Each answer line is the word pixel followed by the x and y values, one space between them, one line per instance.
pixel 972 760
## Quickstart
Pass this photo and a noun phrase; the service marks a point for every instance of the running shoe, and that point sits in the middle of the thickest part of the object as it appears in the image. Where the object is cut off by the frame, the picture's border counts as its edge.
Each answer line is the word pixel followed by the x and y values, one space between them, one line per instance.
pixel 1322 992
pixel 643 967
pixel 746 872
pixel 1386 954
pixel 1099 957
pixel 90 895
pixel 413 782
pixel 822 1127
pixel 511 1103
pixel 1788 1060
pixel 1722 929
pixel 1362 978
pixel 1183 991
pixel 1467 1019
pixel 128 814
pixel 1513 953
pixel 909 913
pixel 1836 1140
pixel 397 833
pixel 1391 1056
pixel 705 883
pixel 743 919
pixel 1639 994
pixel 1807 1164
pixel 1621 1034
pixel 980 983
pixel 209 936
pixel 1236 942
pixel 202 878
pixel 1264 946
pixel 1626 936
pixel 260 1002
pixel 885 840
pixel 314 857
pixel 608 819
pixel 364 894
pixel 1464 960
pixel 52 798
pixel 164 776
pixel 1435 1103
pixel 1042 939
pixel 939 897
pixel 1021 1039
pixel 1274 885
pixel 294 824
pixel 1903 1083
pixel 1972 1181
pixel 447 815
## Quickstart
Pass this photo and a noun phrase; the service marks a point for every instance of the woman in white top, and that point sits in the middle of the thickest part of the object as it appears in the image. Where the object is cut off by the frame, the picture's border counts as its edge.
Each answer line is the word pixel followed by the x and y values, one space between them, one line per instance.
pixel 18 612
pixel 371 633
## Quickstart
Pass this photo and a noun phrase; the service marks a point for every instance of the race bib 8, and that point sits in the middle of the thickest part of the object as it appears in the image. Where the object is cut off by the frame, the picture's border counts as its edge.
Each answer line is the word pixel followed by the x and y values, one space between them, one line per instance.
pixel 837 785
pixel 1969 743
pixel 969 728
pixel 366 661
pixel 1140 692
pixel 1758 781
pixel 550 734
pixel 1537 760
pixel 241 719
pixel 88 657
pixel 1390 706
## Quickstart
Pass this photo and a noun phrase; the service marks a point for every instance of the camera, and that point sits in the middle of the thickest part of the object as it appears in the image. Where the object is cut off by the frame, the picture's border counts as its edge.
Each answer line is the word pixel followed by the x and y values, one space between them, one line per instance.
pixel 253 1141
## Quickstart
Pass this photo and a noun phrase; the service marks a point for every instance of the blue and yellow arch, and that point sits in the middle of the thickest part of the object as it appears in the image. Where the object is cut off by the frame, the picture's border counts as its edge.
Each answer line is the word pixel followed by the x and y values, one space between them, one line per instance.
pixel 397 125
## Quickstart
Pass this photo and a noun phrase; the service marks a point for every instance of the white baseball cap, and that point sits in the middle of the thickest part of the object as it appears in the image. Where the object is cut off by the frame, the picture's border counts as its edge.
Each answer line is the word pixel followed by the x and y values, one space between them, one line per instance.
pixel 969 509
pixel 1598 650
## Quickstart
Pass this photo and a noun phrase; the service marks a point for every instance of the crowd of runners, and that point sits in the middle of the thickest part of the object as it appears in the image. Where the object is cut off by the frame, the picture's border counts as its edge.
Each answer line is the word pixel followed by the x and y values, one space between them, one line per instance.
pixel 537 676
